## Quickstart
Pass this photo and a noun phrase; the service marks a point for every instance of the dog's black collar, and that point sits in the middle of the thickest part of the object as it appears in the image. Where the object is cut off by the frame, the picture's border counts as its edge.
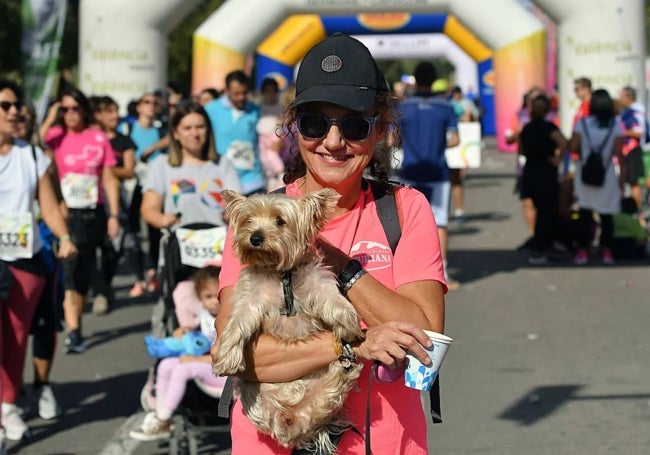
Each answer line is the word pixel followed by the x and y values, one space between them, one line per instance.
pixel 287 289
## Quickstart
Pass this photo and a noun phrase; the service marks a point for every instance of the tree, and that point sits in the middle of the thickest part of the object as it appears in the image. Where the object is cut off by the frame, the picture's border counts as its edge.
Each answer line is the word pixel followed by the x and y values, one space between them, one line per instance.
pixel 180 45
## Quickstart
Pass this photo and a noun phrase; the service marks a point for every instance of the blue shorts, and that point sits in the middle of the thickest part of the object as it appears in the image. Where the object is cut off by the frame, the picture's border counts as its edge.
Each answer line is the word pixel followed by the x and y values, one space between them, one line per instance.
pixel 438 194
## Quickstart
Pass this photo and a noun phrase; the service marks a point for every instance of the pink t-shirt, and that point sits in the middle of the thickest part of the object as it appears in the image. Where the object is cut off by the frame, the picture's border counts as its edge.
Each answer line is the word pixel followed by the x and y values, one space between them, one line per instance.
pixel 85 153
pixel 398 424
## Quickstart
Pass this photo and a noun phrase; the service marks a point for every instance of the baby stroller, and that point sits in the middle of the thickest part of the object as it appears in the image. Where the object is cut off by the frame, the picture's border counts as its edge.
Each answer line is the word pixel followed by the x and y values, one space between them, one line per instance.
pixel 184 251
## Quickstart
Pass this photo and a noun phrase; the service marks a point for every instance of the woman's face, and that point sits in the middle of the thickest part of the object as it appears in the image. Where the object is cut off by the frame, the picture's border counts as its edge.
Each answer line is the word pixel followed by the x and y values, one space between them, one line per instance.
pixel 108 117
pixel 9 116
pixel 24 124
pixel 191 133
pixel 334 160
pixel 72 113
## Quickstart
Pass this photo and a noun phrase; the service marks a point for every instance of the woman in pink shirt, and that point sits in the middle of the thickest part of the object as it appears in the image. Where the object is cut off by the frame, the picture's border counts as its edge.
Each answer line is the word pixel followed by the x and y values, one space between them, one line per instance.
pixel 84 158
pixel 343 110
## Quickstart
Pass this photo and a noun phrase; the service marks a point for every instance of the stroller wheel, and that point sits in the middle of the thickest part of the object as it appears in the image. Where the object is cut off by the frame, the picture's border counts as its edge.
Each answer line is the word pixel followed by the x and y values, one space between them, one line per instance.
pixel 147 395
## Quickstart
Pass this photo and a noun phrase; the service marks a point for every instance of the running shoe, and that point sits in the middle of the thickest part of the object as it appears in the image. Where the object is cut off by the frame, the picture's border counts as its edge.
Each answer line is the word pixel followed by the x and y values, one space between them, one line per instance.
pixel 48 407
pixel 100 305
pixel 537 258
pixel 581 257
pixel 138 289
pixel 12 421
pixel 74 343
pixel 152 428
pixel 608 257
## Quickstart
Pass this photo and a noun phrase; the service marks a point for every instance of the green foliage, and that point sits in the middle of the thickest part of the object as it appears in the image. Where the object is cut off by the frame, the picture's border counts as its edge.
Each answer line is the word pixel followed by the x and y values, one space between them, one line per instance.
pixel 10 38
pixel 180 45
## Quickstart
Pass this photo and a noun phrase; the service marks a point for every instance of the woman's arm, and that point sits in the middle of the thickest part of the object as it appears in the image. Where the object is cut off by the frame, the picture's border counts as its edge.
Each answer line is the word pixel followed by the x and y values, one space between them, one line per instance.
pixel 53 217
pixel 128 166
pixel 271 360
pixel 49 120
pixel 618 153
pixel 111 190
pixel 151 211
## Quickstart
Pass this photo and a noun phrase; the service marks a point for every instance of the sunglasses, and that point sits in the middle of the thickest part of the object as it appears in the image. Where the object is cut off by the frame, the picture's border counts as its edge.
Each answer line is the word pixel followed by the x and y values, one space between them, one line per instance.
pixel 316 126
pixel 65 109
pixel 6 105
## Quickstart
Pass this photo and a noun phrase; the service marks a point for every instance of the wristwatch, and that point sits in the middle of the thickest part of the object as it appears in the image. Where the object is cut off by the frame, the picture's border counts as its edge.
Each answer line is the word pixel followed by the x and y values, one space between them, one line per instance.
pixel 352 271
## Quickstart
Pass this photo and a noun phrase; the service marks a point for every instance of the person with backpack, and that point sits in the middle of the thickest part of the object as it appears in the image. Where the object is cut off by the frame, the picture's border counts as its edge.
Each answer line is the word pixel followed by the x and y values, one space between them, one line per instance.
pixel 343 112
pixel 598 139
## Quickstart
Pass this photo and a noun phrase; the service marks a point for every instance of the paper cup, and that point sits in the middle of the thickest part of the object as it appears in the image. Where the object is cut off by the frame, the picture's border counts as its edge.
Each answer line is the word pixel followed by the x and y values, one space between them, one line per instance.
pixel 422 377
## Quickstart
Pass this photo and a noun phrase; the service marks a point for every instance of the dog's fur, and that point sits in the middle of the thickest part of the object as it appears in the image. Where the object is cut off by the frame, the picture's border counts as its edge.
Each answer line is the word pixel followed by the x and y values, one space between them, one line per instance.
pixel 274 233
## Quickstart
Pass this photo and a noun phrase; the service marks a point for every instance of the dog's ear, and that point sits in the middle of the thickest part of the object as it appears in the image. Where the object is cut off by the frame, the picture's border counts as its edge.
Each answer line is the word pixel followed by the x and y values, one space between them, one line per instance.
pixel 320 205
pixel 233 202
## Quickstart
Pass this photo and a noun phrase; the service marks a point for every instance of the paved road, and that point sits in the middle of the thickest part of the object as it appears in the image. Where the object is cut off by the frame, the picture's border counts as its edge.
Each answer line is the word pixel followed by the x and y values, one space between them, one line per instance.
pixel 546 360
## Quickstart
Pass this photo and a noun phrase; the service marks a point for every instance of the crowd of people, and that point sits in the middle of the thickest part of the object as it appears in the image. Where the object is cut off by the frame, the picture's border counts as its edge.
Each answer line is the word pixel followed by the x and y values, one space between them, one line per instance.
pixel 587 189
pixel 110 187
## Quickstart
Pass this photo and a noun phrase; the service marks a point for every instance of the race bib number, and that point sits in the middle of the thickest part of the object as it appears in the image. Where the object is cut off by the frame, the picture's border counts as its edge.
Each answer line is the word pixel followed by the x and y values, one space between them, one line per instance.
pixel 201 246
pixel 16 235
pixel 80 191
pixel 242 155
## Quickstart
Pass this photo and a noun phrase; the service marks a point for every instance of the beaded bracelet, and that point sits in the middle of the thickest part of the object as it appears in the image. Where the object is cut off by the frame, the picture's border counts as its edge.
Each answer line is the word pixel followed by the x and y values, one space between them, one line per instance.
pixel 345 287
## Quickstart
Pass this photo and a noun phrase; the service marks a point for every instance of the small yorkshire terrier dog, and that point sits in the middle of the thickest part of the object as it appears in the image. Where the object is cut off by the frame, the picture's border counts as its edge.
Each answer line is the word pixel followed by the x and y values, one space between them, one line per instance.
pixel 286 291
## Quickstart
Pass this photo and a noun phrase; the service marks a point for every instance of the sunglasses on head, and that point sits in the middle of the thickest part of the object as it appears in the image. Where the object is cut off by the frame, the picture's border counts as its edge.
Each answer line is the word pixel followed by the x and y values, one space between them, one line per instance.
pixel 65 109
pixel 6 105
pixel 352 128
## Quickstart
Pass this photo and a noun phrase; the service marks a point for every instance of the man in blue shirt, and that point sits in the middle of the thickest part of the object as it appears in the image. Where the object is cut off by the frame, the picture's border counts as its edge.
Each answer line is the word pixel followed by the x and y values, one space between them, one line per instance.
pixel 429 126
pixel 234 121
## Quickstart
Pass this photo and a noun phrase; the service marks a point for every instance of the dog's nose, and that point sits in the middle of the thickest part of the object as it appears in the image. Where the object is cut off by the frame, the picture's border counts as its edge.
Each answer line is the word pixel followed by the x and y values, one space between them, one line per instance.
pixel 257 238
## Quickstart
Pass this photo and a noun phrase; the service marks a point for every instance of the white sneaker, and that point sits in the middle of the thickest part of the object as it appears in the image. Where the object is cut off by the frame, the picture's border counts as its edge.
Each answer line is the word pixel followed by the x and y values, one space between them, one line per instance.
pixel 48 407
pixel 152 428
pixel 13 423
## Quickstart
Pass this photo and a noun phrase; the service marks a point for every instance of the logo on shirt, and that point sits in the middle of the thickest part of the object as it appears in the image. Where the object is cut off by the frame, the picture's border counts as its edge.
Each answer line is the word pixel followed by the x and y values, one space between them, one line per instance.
pixel 90 155
pixel 372 255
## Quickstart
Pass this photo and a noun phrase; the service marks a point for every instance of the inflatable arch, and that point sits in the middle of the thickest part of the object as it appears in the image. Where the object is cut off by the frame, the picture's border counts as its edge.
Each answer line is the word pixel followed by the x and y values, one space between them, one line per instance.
pixel 123 45
pixel 275 56
pixel 222 42
pixel 420 46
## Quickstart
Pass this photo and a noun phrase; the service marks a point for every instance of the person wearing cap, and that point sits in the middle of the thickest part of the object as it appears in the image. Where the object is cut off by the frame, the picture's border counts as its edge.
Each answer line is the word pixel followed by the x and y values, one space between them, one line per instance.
pixel 429 125
pixel 339 124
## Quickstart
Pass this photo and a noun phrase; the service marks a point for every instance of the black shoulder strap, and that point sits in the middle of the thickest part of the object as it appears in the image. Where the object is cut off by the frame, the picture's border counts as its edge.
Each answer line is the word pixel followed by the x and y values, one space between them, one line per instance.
pixel 35 167
pixel 604 143
pixel 384 195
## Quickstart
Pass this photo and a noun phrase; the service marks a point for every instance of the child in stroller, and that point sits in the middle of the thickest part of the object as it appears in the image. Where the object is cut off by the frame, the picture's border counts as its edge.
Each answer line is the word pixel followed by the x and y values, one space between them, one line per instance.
pixel 174 372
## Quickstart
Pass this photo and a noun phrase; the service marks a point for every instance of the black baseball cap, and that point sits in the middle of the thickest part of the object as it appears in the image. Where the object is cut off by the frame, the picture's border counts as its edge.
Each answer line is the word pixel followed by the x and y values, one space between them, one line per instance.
pixel 339 70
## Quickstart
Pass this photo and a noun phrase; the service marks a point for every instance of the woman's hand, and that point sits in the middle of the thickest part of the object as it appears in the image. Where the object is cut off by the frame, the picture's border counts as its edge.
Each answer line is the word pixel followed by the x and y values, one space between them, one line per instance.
pixel 113 227
pixel 389 342
pixel 167 220
pixel 67 249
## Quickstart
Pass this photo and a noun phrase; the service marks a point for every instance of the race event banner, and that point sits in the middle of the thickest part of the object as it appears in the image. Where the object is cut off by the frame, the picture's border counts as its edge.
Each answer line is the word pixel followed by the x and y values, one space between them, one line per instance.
pixel 43 22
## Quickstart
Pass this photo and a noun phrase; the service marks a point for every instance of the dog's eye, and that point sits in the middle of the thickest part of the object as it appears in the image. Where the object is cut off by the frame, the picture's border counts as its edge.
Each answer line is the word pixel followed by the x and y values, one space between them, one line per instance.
pixel 279 221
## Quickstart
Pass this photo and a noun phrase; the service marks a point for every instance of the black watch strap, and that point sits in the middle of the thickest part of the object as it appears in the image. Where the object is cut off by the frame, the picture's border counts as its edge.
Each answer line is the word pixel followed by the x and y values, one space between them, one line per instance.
pixel 352 271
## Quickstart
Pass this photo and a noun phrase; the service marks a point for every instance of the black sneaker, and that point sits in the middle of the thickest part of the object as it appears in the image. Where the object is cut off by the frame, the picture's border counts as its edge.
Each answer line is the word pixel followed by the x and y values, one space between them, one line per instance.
pixel 537 258
pixel 74 343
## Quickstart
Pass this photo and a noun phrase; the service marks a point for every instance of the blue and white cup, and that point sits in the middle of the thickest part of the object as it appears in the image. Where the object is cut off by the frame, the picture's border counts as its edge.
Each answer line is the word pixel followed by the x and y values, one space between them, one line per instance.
pixel 419 376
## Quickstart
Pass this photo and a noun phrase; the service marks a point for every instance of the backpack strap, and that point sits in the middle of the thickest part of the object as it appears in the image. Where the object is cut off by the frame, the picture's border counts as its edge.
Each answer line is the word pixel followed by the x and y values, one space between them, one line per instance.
pixel 387 209
pixel 604 143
